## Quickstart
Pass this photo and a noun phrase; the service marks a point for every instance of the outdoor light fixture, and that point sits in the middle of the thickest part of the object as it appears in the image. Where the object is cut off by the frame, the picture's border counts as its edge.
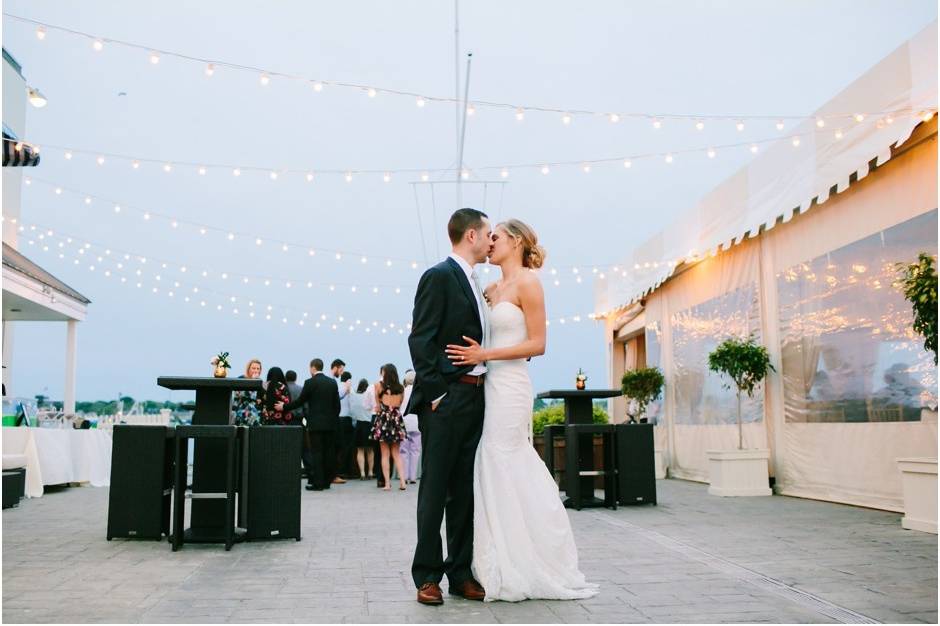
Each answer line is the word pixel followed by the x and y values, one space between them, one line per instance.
pixel 36 98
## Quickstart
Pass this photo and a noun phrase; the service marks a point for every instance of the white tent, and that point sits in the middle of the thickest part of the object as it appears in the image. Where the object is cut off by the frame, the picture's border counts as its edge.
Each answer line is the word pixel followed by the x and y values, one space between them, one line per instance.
pixel 798 249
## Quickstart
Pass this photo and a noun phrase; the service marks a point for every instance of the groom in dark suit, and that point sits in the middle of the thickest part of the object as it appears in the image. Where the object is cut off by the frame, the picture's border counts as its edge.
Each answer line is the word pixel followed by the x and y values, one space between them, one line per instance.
pixel 448 400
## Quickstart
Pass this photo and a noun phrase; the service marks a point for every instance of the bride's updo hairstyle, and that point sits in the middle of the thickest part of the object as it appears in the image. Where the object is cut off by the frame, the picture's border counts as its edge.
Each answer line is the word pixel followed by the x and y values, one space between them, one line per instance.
pixel 533 255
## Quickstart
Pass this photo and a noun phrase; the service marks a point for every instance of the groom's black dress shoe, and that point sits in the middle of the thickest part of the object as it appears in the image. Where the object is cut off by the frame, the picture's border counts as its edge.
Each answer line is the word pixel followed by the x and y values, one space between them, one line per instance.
pixel 468 590
pixel 430 593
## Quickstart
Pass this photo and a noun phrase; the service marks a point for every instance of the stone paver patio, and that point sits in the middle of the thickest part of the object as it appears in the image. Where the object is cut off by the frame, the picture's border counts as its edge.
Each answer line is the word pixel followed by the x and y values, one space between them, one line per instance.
pixel 692 558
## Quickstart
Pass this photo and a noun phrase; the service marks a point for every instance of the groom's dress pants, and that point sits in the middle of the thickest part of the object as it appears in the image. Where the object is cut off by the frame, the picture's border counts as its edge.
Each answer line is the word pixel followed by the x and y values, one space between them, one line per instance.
pixel 449 438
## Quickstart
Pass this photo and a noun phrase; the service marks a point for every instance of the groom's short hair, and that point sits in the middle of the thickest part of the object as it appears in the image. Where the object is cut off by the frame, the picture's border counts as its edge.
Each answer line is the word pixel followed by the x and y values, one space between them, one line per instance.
pixel 463 220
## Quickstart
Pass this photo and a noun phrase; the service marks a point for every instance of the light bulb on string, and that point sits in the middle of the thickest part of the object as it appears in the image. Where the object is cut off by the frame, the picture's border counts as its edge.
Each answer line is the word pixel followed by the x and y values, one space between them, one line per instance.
pixel 167 168
pixel 838 134
pixel 613 118
pixel 739 126
pixel 657 123
pixel 754 148
pixel 668 158
pixel 471 110
pixel 202 170
pixel 154 58
pixel 40 33
pixel 699 125
pixel 135 164
pixel 371 92
pixel 520 114
pixel 387 177
pixel 264 80
pixel 820 122
pixel 566 119
pixel 272 175
pixel 68 155
pixel 627 164
pixel 586 168
pixel 318 86
pixel 348 177
pixel 465 174
pixel 545 169
pixel 779 125
pixel 97 45
pixel 711 153
pixel 100 160
pixel 236 172
pixel 425 177
pixel 309 177
pixel 210 69
pixel 504 173
pixel 420 102
pixel 859 118
pixel 796 142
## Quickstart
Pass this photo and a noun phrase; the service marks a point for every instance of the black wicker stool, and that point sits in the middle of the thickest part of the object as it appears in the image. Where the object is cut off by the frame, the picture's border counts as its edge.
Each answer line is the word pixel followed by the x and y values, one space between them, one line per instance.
pixel 573 471
pixel 229 434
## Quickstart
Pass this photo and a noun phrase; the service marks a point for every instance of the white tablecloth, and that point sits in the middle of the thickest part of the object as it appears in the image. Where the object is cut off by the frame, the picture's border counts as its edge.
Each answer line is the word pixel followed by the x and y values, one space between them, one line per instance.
pixel 56 456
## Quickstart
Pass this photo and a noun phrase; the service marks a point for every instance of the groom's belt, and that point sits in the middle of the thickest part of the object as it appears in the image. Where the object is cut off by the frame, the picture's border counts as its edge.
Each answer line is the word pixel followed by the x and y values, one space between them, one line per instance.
pixel 471 380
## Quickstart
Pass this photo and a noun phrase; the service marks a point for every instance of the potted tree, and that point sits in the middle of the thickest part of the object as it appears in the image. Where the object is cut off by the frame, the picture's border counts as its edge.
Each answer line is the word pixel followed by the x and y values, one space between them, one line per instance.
pixel 739 472
pixel 918 283
pixel 641 386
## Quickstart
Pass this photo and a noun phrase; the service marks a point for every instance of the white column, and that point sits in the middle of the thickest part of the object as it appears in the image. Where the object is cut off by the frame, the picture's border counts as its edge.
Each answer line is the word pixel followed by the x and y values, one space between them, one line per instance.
pixel 70 360
pixel 8 356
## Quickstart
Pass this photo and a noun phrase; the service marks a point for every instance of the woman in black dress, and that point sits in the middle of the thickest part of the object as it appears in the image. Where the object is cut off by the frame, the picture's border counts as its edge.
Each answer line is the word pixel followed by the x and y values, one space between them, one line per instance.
pixel 389 429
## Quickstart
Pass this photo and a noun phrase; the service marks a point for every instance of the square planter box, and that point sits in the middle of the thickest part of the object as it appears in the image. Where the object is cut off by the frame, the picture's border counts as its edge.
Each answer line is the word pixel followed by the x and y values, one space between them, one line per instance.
pixel 919 481
pixel 738 472
pixel 660 464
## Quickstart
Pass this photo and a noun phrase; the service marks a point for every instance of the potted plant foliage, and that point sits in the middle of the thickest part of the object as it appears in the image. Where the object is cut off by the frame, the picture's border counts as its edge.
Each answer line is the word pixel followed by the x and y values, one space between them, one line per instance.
pixel 918 283
pixel 739 472
pixel 642 385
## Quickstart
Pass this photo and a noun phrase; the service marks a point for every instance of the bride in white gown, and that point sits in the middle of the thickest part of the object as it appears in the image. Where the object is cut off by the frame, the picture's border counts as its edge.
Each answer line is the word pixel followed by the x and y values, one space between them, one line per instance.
pixel 523 547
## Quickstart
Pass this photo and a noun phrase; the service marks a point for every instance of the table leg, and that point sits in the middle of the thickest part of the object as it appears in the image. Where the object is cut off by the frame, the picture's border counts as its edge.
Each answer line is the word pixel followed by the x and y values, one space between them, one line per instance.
pixel 207 518
pixel 580 411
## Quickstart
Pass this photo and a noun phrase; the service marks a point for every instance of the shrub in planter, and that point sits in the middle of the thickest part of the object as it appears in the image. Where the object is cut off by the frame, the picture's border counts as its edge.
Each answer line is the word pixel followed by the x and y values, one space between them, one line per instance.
pixel 643 385
pixel 746 363
pixel 555 414
pixel 918 283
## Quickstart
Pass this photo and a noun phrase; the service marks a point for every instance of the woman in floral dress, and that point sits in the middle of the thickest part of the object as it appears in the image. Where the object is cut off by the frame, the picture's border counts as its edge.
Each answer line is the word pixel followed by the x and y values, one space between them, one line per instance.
pixel 275 391
pixel 389 429
pixel 247 405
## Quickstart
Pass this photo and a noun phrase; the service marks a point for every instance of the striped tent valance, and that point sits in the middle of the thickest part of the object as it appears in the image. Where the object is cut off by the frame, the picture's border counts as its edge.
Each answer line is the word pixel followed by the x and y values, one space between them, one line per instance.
pixel 17 154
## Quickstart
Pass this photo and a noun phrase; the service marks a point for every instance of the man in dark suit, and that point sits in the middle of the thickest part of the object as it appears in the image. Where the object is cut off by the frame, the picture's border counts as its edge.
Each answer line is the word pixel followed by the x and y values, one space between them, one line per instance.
pixel 321 409
pixel 448 400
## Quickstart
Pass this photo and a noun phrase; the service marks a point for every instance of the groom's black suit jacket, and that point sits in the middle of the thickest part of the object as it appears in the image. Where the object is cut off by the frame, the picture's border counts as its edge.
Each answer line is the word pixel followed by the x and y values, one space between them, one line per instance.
pixel 445 310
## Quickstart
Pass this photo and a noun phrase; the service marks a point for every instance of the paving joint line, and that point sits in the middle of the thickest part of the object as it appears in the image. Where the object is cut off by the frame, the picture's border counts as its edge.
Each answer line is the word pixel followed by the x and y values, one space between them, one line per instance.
pixel 806 599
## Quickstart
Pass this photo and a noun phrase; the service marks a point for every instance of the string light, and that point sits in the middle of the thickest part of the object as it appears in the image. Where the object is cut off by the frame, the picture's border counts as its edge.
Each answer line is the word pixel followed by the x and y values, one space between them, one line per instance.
pixel 420 102
pixel 425 173
pixel 265 76
pixel 98 45
pixel 779 125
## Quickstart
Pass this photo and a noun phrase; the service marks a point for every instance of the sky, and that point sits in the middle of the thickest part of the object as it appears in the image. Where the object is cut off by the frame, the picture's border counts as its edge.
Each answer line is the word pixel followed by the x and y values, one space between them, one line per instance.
pixel 698 58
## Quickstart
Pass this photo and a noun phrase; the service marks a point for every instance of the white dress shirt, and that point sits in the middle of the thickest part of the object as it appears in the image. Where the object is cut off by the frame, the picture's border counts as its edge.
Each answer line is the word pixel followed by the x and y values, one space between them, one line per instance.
pixel 480 368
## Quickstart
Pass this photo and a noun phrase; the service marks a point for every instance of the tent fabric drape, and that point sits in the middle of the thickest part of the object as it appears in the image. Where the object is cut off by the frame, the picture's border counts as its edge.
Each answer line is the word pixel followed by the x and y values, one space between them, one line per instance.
pixel 783 180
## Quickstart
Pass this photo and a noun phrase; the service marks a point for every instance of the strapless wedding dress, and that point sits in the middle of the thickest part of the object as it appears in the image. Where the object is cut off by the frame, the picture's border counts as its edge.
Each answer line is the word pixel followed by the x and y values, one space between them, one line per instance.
pixel 523 547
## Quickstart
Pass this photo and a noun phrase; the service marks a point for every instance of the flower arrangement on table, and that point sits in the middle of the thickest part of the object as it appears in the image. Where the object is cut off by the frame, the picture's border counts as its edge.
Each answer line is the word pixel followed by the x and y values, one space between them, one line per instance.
pixel 221 364
pixel 580 380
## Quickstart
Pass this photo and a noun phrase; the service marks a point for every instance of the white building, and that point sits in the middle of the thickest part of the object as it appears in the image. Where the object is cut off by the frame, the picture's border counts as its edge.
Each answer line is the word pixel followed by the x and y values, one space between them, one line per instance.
pixel 30 294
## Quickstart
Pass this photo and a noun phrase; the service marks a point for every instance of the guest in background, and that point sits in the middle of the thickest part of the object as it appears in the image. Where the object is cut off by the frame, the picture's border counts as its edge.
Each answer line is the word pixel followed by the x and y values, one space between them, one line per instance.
pixel 376 448
pixel 360 406
pixel 321 404
pixel 276 391
pixel 246 405
pixel 389 428
pixel 411 446
pixel 291 377
pixel 344 436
